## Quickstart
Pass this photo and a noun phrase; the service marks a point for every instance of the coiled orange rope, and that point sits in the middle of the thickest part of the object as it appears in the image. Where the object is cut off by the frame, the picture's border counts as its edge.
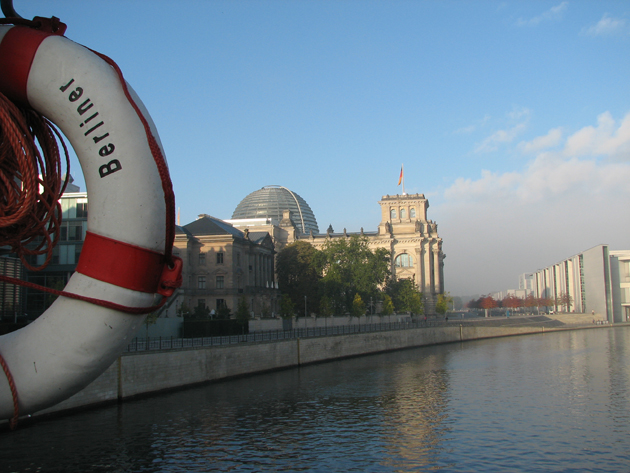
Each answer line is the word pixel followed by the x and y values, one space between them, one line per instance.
pixel 30 183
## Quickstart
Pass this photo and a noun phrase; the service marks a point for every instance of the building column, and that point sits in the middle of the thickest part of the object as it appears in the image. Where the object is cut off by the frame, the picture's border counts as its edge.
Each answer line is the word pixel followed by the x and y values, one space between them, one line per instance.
pixel 427 273
pixel 436 270
pixel 420 270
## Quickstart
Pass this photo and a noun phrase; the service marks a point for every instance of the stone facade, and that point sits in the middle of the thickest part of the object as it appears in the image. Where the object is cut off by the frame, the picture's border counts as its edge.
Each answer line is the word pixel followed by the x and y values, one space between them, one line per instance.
pixel 222 264
pixel 404 231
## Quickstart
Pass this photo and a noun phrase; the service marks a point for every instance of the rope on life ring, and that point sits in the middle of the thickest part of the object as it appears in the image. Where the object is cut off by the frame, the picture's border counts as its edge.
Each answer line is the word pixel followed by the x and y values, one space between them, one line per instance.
pixel 29 54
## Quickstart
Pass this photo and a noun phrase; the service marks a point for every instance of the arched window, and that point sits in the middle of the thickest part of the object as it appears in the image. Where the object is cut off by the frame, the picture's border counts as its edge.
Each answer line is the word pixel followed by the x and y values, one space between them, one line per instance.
pixel 393 213
pixel 403 261
pixel 403 213
pixel 412 212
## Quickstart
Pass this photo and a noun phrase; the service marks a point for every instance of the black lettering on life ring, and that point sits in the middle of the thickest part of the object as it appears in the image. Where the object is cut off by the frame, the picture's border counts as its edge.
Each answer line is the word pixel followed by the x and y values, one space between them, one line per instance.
pixel 106 150
pixel 109 168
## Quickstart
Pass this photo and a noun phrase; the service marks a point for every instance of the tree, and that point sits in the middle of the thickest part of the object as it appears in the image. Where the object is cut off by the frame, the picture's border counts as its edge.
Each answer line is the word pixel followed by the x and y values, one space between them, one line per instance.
pixel 545 302
pixel 183 310
pixel 486 303
pixel 566 300
pixel 325 307
pixel 298 269
pixel 287 309
pixel 442 303
pixel 405 296
pixel 511 302
pixel 242 310
pixel 358 306
pixel 388 305
pixel 350 267
pixel 530 302
pixel 201 311
pixel 224 312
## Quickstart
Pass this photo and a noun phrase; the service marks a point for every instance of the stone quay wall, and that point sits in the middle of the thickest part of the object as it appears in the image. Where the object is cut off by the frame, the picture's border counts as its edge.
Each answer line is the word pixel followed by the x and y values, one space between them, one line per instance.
pixel 135 374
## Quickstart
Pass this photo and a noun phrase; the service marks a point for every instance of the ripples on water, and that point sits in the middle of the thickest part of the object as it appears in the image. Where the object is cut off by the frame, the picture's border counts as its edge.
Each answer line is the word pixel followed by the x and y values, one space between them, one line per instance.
pixel 556 402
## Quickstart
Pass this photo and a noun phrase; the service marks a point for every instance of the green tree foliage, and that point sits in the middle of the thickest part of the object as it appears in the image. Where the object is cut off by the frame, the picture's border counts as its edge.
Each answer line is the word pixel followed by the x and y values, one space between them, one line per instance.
pixel 325 307
pixel 223 312
pixel 201 312
pixel 183 310
pixel 287 309
pixel 350 267
pixel 298 269
pixel 388 305
pixel 242 310
pixel 405 296
pixel 358 306
pixel 443 303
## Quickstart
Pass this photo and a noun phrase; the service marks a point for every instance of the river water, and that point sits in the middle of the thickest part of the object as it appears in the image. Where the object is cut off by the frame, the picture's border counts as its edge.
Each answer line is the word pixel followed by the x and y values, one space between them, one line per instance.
pixel 554 402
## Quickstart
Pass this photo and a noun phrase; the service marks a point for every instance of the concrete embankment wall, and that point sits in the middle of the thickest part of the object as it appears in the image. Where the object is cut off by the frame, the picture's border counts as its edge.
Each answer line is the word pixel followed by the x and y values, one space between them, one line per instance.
pixel 136 374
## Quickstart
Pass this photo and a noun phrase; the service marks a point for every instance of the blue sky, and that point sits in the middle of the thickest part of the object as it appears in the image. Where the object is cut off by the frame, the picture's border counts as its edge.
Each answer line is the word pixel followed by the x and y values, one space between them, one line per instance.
pixel 512 117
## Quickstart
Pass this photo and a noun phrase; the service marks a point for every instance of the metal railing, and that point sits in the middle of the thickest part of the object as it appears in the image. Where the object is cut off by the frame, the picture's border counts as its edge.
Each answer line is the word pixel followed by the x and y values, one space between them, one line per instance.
pixel 172 343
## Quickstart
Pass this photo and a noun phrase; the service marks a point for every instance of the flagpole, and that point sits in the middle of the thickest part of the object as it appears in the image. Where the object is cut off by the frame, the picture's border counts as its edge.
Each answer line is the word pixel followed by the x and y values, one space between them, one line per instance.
pixel 403 178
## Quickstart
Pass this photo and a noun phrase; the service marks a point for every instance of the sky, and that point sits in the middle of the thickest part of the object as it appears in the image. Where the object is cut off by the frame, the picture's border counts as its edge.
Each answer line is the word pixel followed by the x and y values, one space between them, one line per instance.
pixel 511 117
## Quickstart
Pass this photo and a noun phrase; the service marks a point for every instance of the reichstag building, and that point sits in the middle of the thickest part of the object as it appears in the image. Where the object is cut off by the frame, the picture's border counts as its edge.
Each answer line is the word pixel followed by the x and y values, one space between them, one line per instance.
pixel 404 230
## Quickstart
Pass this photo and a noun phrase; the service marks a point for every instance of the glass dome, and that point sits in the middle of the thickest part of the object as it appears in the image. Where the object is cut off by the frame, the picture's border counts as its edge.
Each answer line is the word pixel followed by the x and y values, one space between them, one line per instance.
pixel 271 201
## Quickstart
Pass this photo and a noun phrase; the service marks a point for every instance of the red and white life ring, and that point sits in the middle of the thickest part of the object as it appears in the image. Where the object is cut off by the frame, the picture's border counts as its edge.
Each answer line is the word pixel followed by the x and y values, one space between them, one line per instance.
pixel 73 342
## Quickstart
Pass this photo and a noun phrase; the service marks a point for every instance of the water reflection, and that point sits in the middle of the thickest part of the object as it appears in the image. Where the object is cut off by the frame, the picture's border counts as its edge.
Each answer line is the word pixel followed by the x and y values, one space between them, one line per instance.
pixel 538 403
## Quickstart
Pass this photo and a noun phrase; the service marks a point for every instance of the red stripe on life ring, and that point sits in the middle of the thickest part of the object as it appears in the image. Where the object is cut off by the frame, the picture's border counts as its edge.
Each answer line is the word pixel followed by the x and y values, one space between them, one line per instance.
pixel 120 264
pixel 17 50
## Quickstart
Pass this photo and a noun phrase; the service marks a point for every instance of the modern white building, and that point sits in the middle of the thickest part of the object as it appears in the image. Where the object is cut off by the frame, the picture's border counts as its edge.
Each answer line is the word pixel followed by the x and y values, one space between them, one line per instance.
pixel 526 283
pixel 598 281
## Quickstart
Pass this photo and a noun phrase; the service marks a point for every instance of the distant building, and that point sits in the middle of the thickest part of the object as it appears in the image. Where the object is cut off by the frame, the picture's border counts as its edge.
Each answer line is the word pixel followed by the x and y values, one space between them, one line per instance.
pixel 65 255
pixel 11 295
pixel 404 230
pixel 271 202
pixel 526 282
pixel 598 281
pixel 223 264
pixel 520 293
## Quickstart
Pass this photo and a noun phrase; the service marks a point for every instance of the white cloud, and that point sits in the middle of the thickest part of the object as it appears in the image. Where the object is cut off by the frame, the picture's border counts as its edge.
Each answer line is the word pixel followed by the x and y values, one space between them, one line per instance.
pixel 492 142
pixel 606 139
pixel 550 140
pixel 554 13
pixel 607 26
pixel 507 135
pixel 571 196
pixel 466 130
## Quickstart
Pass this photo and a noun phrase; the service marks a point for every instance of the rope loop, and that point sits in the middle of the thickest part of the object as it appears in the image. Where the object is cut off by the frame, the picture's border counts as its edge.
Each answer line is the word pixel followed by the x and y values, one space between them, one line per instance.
pixel 30 183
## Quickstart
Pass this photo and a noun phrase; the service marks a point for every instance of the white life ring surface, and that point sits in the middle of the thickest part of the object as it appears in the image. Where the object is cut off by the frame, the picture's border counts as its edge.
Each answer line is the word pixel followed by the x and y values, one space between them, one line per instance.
pixel 73 342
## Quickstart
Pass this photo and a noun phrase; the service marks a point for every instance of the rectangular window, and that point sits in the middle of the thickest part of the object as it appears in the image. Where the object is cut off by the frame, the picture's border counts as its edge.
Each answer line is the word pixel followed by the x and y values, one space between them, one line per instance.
pixel 82 210
pixel 201 282
pixel 238 259
pixel 219 258
pixel 202 258
pixel 75 231
pixel 220 282
pixel 201 303
pixel 220 303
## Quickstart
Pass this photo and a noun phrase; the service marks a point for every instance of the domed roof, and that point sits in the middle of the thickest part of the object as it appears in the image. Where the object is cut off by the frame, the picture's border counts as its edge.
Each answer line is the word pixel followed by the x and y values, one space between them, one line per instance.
pixel 271 201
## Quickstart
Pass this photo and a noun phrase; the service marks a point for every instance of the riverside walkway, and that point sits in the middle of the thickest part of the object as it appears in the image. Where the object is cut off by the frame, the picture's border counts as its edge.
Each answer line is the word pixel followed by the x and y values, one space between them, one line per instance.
pixel 529 320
